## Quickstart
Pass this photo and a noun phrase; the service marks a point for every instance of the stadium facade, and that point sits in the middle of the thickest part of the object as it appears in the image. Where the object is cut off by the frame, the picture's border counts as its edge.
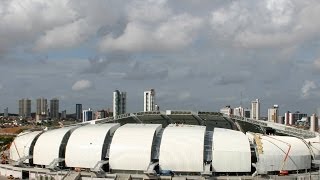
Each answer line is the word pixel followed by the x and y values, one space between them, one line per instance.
pixel 170 145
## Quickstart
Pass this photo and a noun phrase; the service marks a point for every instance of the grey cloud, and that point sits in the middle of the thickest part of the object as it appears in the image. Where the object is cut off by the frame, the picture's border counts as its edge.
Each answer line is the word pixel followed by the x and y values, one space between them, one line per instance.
pixel 232 79
pixel 145 72
pixel 99 64
pixel 264 48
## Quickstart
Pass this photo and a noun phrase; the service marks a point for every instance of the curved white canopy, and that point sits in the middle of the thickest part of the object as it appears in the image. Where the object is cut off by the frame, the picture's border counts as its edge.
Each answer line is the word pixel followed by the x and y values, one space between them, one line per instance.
pixel 131 146
pixel 230 151
pixel 314 144
pixel 85 145
pixel 21 145
pixel 274 149
pixel 182 148
pixel 47 147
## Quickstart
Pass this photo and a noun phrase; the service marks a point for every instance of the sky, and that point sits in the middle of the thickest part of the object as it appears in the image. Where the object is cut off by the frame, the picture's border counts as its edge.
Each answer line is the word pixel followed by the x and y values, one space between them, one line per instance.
pixel 197 55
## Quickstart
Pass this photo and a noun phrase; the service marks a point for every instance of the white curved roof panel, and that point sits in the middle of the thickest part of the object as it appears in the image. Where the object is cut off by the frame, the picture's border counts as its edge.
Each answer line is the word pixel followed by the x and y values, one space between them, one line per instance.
pixel 87 145
pixel 230 151
pixel 274 149
pixel 22 145
pixel 131 146
pixel 47 147
pixel 314 144
pixel 182 148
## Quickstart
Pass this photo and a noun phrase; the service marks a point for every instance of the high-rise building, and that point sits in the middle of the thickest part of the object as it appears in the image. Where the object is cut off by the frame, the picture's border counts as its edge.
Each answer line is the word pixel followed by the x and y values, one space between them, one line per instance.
pixel 314 123
pixel 226 110
pixel 157 107
pixel 247 113
pixel 87 115
pixel 25 108
pixel 273 114
pixel 6 112
pixel 78 111
pixel 100 114
pixel 54 108
pixel 119 103
pixel 149 100
pixel 42 107
pixel 239 111
pixel 286 118
pixel 64 114
pixel 255 109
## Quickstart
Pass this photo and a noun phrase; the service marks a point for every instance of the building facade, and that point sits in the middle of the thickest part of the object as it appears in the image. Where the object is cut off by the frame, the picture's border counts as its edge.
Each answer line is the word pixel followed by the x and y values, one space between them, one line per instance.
pixel 149 100
pixel 273 113
pixel 226 110
pixel 87 115
pixel 25 108
pixel 119 103
pixel 54 108
pixel 42 107
pixel 255 109
pixel 6 112
pixel 64 114
pixel 78 111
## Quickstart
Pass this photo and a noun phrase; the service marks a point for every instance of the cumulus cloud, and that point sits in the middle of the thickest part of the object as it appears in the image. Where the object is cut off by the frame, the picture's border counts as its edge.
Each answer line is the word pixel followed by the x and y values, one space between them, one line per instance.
pixel 256 46
pixel 175 33
pixel 142 71
pixel 307 87
pixel 81 85
pixel 66 36
pixel 268 23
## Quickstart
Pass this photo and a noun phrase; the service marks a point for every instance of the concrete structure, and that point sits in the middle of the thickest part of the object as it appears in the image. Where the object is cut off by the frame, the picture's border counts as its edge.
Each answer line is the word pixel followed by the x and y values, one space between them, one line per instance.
pixel 6 112
pixel 239 111
pixel 64 114
pixel 273 113
pixel 119 103
pixel 87 115
pixel 79 111
pixel 42 107
pixel 165 149
pixel 25 108
pixel 149 100
pixel 314 123
pixel 255 109
pixel 54 108
pixel 100 114
pixel 226 110
pixel 280 120
pixel 286 118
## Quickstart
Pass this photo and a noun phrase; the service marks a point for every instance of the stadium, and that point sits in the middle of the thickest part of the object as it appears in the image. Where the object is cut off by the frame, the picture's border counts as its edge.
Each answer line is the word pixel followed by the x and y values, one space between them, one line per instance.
pixel 166 145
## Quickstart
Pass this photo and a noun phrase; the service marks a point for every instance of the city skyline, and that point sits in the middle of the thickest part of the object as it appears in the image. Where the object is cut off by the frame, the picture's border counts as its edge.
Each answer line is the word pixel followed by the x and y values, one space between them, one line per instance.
pixel 255 106
pixel 197 55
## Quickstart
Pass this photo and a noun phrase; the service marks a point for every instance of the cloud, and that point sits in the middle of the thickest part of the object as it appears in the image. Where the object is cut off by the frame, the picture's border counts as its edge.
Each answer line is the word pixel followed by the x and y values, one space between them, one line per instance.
pixel 236 78
pixel 307 87
pixel 142 71
pixel 81 85
pixel 99 64
pixel 67 36
pixel 175 33
pixel 184 95
pixel 266 24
